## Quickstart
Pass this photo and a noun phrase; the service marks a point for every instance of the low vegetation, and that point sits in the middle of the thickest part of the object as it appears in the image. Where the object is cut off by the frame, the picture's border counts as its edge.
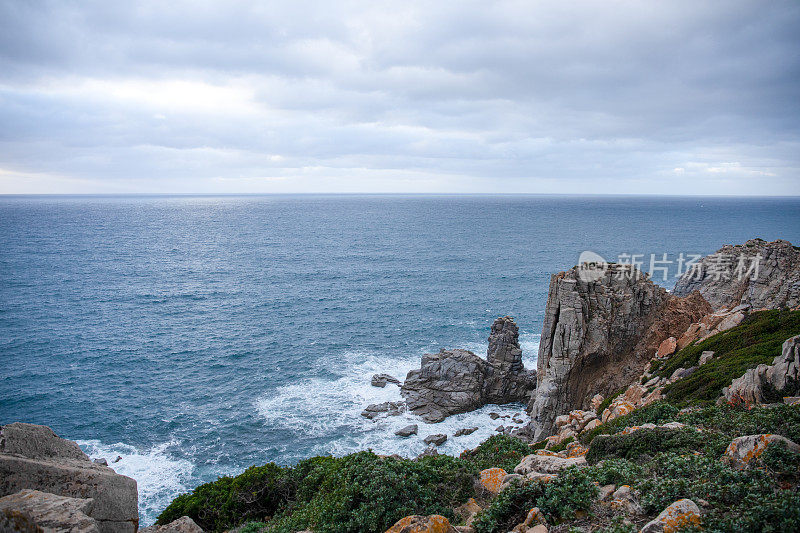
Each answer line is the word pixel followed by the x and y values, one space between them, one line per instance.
pixel 757 340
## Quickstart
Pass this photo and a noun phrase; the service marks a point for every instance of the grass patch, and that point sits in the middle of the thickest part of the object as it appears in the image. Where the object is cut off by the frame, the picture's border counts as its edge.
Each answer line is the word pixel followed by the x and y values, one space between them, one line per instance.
pixel 756 341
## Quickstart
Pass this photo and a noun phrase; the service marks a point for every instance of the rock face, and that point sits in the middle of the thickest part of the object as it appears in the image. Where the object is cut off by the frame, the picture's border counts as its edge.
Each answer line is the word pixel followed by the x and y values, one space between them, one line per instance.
pixel 768 383
pixel 32 510
pixel 723 283
pixel 458 381
pixel 33 457
pixel 598 335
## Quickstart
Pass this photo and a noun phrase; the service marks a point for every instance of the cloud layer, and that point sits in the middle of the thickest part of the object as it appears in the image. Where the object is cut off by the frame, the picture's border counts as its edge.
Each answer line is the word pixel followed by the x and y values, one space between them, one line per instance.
pixel 566 97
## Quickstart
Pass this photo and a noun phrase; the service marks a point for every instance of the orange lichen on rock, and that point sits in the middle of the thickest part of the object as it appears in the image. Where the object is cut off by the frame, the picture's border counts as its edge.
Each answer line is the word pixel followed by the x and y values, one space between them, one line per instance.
pixel 492 479
pixel 742 450
pixel 679 516
pixel 422 524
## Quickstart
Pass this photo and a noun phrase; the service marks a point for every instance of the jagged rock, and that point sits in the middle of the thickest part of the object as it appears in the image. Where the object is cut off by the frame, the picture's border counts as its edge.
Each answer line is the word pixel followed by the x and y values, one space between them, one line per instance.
pixel 681 515
pixel 618 407
pixel 35 511
pixel 183 524
pixel 407 431
pixel 380 380
pixel 494 416
pixel 465 431
pixel 422 524
pixel 705 357
pixel 500 429
pixel 430 451
pixel 33 457
pixel 625 500
pixel 101 461
pixel 667 347
pixel 491 479
pixel 546 463
pixel 377 409
pixel 598 335
pixel 742 450
pixel 595 402
pixel 468 511
pixel 458 381
pixel 764 384
pixel 777 284
pixel 438 439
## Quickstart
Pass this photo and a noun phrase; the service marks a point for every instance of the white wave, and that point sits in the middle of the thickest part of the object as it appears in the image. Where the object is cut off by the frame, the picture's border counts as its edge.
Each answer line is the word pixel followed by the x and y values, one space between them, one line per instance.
pixel 159 475
pixel 327 412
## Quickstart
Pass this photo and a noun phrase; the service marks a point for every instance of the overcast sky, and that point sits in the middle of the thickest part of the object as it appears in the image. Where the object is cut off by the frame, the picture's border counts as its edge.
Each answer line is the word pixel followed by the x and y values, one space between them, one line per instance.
pixel 663 97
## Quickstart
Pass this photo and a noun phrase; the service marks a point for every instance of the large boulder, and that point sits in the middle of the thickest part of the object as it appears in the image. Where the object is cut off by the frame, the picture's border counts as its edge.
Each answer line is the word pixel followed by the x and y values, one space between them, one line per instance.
pixel 183 524
pixel 544 462
pixel 422 524
pixel 458 381
pixel 683 514
pixel 725 279
pixel 768 383
pixel 742 450
pixel 34 457
pixel 598 335
pixel 35 511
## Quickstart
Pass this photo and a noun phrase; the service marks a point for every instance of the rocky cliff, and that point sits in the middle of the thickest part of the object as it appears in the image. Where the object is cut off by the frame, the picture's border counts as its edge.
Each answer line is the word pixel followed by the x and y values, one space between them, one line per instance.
pixel 598 335
pixel 458 381
pixel 764 275
pixel 63 484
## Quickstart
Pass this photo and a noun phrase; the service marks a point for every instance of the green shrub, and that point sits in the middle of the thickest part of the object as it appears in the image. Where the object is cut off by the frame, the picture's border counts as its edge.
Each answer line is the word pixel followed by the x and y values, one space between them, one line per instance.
pixel 646 443
pixel 256 493
pixel 615 471
pixel 781 462
pixel 502 451
pixel 509 508
pixel 736 421
pixel 559 499
pixel 756 340
pixel 561 446
pixel 775 512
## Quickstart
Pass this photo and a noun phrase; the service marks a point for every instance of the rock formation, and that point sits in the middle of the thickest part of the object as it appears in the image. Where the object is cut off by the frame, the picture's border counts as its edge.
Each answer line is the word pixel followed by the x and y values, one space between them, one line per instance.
pixel 32 510
pixel 768 383
pixel 458 381
pixel 33 457
pixel 598 335
pixel 725 278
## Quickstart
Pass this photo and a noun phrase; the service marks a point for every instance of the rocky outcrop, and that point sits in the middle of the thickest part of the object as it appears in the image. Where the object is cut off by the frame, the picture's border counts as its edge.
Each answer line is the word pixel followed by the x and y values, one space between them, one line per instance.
pixel 681 515
pixel 728 278
pixel 381 380
pixel 458 381
pixel 32 510
pixel 181 525
pixel 422 524
pixel 742 450
pixel 598 335
pixel 768 383
pixel 33 457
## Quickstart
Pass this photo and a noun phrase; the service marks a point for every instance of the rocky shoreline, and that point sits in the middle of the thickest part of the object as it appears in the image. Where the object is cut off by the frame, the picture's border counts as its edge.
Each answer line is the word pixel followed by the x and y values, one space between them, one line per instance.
pixel 629 377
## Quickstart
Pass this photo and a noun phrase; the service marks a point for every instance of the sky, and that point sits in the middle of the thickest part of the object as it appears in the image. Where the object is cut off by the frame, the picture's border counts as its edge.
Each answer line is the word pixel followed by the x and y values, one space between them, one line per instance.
pixel 568 97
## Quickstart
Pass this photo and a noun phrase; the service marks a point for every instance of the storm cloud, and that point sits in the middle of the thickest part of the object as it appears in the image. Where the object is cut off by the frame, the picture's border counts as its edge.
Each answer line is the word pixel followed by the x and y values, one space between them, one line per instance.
pixel 679 97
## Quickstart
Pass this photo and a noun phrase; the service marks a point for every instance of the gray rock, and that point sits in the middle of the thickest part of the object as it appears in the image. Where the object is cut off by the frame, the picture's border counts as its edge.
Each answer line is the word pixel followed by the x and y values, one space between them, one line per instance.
pixel 777 284
pixel 430 451
pixel 494 416
pixel 594 339
pixel 458 381
pixel 781 378
pixel 387 408
pixel 500 429
pixel 465 431
pixel 705 357
pixel 33 457
pixel 380 380
pixel 438 439
pixel 684 512
pixel 101 461
pixel 407 431
pixel 35 511
pixel 183 524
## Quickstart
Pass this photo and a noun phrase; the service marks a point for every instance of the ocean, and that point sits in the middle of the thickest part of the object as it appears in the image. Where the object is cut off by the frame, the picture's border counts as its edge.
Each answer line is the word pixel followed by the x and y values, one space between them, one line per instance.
pixel 194 336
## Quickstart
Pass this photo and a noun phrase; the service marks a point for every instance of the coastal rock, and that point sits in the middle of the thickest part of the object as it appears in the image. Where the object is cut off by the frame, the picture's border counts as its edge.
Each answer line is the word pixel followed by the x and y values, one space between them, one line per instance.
pixel 465 431
pixel 181 525
pixel 458 381
pixel 438 439
pixel 422 524
pixel 381 380
pixel 407 431
pixel 598 335
pixel 768 383
pixel 377 409
pixel 682 514
pixel 546 463
pixel 724 284
pixel 742 450
pixel 33 457
pixel 32 510
pixel 491 479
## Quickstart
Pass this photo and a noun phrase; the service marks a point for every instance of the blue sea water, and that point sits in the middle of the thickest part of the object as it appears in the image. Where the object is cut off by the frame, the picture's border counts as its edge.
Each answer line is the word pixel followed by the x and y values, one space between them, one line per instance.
pixel 195 335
